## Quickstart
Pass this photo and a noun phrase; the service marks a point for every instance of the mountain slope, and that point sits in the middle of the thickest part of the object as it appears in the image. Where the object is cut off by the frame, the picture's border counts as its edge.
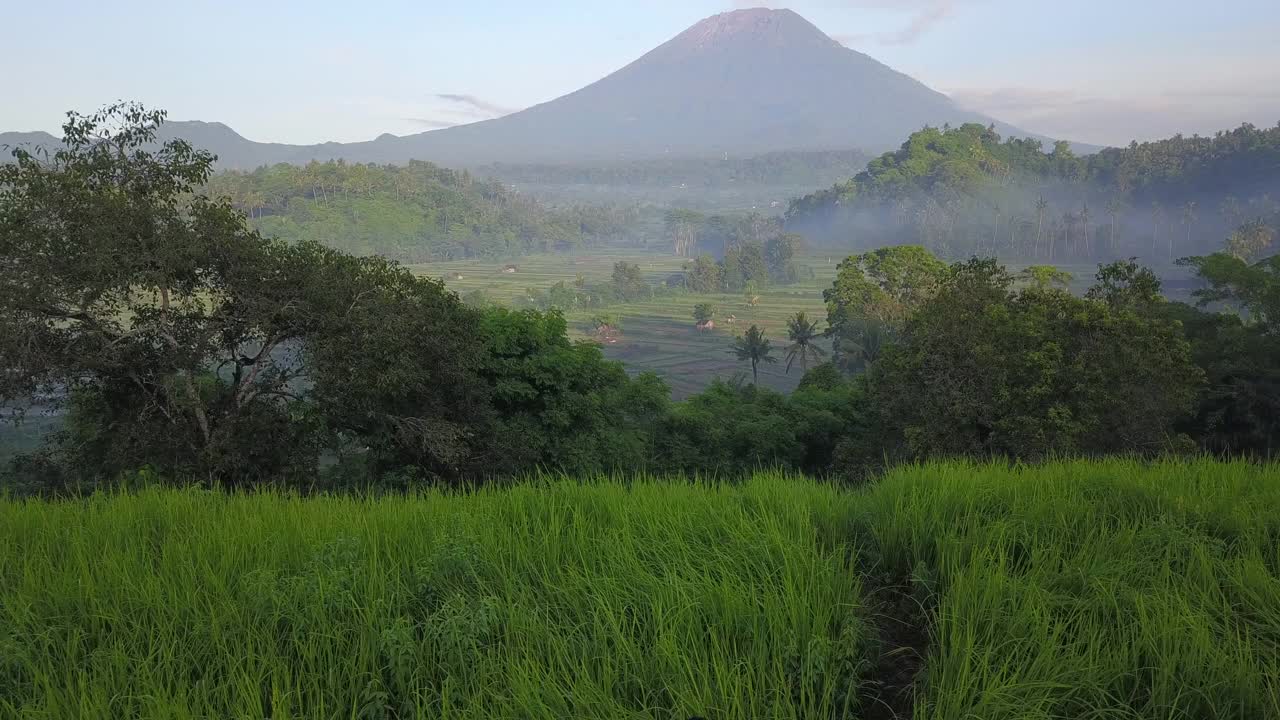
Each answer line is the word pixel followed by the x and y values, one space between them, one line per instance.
pixel 745 82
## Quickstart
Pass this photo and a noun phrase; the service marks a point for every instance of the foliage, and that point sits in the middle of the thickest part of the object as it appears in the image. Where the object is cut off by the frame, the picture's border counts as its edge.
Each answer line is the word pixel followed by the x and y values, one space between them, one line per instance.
pixel 560 404
pixel 732 429
pixel 414 213
pixel 812 168
pixel 873 295
pixel 1044 277
pixel 962 191
pixel 706 276
pixel 1253 288
pixel 628 282
pixel 1239 410
pixel 704 313
pixel 755 348
pixel 803 334
pixel 983 370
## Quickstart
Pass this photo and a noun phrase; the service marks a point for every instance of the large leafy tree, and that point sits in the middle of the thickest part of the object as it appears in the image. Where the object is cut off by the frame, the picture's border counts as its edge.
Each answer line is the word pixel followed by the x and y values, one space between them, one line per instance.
pixel 984 370
pixel 873 295
pixel 181 339
pixel 560 404
pixel 148 304
pixel 705 275
pixel 1238 346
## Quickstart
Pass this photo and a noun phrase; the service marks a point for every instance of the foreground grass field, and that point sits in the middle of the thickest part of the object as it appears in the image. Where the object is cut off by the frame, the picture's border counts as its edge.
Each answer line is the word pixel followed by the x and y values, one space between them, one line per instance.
pixel 1074 590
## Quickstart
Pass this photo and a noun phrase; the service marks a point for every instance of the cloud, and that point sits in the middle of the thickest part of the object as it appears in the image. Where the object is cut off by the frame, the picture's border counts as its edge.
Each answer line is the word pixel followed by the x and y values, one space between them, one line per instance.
pixel 926 16
pixel 475 104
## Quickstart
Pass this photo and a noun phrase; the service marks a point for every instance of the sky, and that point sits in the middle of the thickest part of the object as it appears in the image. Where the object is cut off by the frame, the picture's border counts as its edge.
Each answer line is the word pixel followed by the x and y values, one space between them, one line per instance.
pixel 1098 71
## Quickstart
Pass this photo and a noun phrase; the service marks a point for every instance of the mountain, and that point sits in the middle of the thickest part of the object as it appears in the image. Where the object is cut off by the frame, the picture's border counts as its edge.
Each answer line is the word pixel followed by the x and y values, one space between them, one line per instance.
pixel 745 83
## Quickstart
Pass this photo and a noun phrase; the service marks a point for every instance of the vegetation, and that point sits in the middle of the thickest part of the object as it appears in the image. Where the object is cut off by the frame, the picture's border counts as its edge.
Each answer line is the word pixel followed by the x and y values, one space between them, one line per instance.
pixel 799 168
pixel 413 213
pixel 754 348
pixel 803 335
pixel 947 590
pixel 962 191
pixel 208 353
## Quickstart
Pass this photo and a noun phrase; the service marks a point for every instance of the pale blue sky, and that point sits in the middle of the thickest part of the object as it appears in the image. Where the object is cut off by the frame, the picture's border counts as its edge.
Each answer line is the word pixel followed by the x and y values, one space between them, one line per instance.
pixel 1092 70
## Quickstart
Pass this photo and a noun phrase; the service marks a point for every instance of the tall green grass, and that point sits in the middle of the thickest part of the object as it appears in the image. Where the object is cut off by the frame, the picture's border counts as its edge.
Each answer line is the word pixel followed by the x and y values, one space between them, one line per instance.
pixel 558 600
pixel 1091 590
pixel 1073 590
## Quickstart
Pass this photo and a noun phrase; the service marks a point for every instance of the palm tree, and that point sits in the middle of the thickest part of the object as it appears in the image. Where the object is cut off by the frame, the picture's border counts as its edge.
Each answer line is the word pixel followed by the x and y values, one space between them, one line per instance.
pixel 1188 221
pixel 1042 206
pixel 1113 211
pixel 1085 216
pixel 754 347
pixel 803 334
pixel 1157 214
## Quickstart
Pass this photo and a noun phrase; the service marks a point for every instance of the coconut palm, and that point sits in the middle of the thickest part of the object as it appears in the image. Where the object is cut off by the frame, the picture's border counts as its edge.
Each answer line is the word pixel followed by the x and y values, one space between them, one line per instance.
pixel 754 347
pixel 1113 212
pixel 803 334
pixel 1042 206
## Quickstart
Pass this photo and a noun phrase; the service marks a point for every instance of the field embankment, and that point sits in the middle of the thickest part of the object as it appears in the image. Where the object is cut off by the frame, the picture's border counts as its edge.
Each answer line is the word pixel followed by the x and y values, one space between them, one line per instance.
pixel 1112 589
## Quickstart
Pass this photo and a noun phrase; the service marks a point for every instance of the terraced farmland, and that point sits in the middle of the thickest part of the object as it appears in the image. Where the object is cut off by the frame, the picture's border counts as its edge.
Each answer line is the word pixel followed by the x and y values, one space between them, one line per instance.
pixel 658 334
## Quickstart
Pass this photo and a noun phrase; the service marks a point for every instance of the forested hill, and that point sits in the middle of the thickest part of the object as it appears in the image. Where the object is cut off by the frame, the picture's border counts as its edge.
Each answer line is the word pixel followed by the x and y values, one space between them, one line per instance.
pixel 964 190
pixel 413 213
pixel 815 168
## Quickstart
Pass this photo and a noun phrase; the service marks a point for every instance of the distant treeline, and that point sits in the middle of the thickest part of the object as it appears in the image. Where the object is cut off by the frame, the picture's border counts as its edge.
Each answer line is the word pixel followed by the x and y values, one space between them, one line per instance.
pixel 961 191
pixel 813 168
pixel 413 213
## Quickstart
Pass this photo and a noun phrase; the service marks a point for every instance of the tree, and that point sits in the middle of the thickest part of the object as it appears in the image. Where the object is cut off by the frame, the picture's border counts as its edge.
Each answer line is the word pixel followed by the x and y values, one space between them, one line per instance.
pixel 706 276
pixel 1189 218
pixel 1251 288
pixel 744 264
pixel 1251 240
pixel 181 339
pixel 704 313
pixel 803 335
pixel 1042 206
pixel 983 370
pixel 682 226
pixel 754 347
pixel 779 256
pixel 559 404
pixel 1239 350
pixel 1126 285
pixel 605 323
pixel 873 294
pixel 1114 206
pixel 1044 277
pixel 1086 218
pixel 628 282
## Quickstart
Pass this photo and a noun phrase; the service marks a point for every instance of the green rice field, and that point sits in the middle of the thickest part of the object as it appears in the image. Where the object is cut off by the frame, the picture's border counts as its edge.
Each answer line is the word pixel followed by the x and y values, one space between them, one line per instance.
pixel 1114 589
pixel 658 335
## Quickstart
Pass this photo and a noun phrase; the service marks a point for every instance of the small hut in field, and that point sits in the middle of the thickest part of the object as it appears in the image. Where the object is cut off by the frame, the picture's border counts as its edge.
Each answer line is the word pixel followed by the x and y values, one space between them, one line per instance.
pixel 706 326
pixel 510 269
